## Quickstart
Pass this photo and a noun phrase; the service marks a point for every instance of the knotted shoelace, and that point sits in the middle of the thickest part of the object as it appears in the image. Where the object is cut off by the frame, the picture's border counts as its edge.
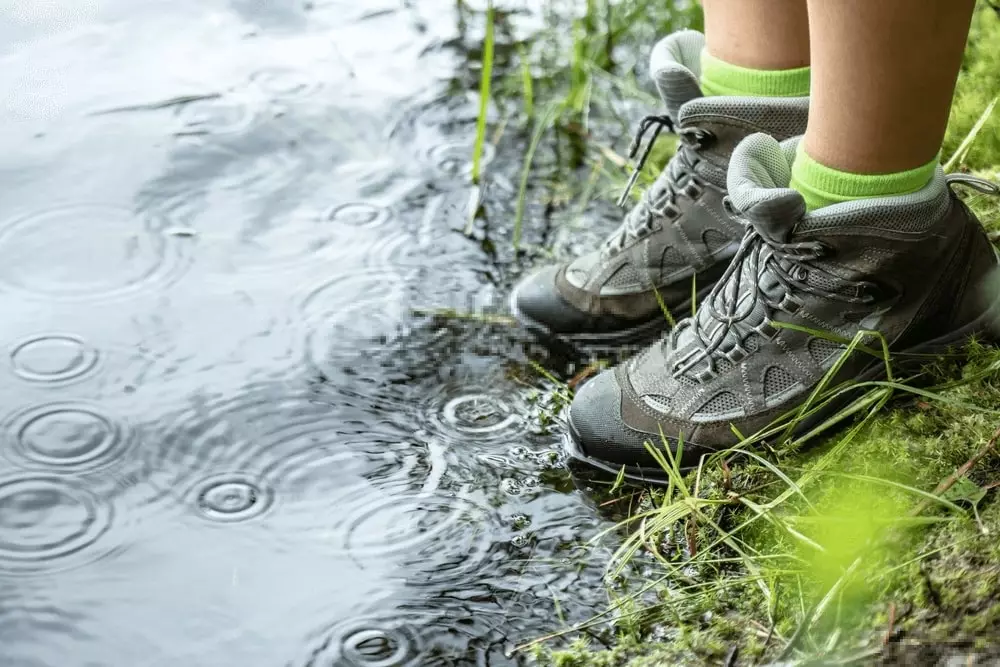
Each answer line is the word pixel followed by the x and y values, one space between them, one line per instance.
pixel 721 325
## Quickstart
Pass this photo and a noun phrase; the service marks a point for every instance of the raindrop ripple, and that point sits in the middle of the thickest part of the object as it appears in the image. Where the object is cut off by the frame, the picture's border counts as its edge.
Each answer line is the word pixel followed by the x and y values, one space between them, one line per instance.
pixel 53 358
pixel 68 437
pixel 49 523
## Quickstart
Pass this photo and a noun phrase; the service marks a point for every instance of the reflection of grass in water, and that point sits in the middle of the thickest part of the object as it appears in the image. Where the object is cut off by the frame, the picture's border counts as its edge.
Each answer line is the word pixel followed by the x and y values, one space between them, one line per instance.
pixel 880 533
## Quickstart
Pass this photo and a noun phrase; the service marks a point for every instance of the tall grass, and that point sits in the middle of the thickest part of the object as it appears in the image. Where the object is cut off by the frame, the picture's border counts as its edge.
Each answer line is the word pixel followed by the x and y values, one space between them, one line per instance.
pixel 576 59
pixel 485 82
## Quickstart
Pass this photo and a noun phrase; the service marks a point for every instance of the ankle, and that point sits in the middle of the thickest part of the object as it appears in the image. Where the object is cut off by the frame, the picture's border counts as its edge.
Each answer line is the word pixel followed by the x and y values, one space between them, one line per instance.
pixel 719 77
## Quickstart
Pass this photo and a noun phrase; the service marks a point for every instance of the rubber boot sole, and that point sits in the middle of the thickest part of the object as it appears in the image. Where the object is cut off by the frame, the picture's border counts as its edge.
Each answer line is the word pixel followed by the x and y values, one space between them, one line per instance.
pixel 638 334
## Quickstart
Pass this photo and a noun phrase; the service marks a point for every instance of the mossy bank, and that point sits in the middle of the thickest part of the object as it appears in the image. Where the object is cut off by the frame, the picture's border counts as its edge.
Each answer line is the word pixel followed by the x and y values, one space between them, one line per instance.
pixel 878 543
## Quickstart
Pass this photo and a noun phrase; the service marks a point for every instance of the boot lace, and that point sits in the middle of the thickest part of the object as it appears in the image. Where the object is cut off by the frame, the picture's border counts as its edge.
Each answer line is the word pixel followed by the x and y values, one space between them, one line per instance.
pixel 730 313
pixel 660 199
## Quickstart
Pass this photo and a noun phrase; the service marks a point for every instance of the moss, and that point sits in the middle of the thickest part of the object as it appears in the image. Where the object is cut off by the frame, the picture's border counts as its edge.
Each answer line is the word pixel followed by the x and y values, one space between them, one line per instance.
pixel 978 84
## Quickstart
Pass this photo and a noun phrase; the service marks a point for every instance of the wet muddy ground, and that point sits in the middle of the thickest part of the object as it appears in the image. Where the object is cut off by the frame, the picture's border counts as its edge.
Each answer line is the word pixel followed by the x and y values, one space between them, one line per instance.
pixel 229 437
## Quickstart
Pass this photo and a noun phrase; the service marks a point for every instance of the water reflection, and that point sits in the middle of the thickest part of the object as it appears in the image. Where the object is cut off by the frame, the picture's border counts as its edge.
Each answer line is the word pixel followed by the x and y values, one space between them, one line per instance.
pixel 232 434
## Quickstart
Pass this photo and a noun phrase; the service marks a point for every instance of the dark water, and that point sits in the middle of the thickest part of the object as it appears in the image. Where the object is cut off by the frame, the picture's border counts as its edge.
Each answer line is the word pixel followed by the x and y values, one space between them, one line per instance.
pixel 227 437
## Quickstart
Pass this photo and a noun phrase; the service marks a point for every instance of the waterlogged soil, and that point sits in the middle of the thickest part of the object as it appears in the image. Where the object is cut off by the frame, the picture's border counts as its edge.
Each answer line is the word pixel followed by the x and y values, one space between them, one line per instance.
pixel 230 433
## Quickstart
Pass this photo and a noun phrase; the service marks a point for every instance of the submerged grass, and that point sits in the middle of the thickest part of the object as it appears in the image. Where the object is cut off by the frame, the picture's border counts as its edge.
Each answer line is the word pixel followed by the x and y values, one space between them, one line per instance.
pixel 877 541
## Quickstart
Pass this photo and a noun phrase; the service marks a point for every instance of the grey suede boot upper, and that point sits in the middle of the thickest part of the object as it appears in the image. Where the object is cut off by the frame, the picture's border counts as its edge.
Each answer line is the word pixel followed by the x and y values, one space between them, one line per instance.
pixel 908 267
pixel 679 231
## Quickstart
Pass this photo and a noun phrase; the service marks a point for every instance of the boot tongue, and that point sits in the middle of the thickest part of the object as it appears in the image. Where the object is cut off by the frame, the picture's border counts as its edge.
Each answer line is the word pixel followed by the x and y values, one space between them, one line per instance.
pixel 759 173
pixel 675 66
pixel 775 218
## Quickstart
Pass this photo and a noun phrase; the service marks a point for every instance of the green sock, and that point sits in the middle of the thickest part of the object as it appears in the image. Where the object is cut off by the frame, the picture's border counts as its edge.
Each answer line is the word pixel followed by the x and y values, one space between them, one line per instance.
pixel 721 78
pixel 821 185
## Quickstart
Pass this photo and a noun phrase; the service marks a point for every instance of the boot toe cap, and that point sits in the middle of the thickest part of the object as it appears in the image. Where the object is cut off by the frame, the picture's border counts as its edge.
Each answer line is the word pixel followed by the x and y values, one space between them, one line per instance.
pixel 536 300
pixel 598 429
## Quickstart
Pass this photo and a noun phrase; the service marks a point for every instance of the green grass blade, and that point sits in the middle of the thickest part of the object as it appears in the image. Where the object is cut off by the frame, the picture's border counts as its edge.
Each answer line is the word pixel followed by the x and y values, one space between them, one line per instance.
pixel 551 112
pixel 663 307
pixel 963 148
pixel 882 481
pixel 485 81
pixel 776 471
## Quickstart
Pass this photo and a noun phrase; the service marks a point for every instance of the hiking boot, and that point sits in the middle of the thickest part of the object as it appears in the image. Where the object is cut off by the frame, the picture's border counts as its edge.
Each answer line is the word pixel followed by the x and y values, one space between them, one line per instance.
pixel 911 267
pixel 678 233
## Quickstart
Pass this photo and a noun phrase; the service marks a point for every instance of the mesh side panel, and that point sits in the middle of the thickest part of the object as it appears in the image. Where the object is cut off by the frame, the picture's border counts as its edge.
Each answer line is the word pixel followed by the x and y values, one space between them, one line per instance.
pixel 823 281
pixel 760 169
pixel 711 173
pixel 714 240
pixel 719 404
pixel 751 344
pixel 781 117
pixel 821 349
pixel 686 381
pixel 723 365
pixel 827 282
pixel 914 212
pixel 877 255
pixel 625 276
pixel 777 380
pixel 660 403
pixel 675 64
pixel 672 260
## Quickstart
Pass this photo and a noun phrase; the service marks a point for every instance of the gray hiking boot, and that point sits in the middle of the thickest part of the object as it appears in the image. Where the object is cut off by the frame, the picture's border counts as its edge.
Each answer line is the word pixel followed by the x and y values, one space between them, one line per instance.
pixel 678 232
pixel 910 267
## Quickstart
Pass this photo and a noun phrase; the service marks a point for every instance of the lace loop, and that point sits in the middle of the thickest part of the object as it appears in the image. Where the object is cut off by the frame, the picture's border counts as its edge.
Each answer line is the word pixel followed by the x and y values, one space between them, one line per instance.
pixel 658 123
pixel 974 182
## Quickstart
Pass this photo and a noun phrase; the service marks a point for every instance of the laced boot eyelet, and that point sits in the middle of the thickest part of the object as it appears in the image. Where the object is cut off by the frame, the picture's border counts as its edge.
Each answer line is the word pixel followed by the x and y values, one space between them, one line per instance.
pixel 823 249
pixel 875 292
pixel 693 189
pixel 768 330
pixel 869 293
pixel 790 304
pixel 737 354
pixel 671 212
pixel 700 137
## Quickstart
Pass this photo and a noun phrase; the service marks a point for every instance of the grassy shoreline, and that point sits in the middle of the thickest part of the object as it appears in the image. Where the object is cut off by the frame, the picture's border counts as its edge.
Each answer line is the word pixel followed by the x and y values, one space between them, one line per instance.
pixel 875 545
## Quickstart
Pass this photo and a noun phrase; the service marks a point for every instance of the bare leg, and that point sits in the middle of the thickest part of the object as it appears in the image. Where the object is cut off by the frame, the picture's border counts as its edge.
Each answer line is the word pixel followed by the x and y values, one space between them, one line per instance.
pixel 759 34
pixel 883 76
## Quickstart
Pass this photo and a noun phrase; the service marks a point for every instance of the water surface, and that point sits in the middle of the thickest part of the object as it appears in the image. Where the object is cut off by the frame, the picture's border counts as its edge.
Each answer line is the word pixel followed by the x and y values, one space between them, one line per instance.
pixel 228 435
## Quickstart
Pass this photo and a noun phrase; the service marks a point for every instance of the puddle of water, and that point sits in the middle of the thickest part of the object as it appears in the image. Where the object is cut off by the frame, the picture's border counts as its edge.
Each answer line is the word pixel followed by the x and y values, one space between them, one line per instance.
pixel 226 438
